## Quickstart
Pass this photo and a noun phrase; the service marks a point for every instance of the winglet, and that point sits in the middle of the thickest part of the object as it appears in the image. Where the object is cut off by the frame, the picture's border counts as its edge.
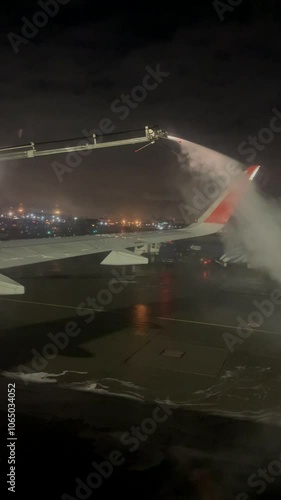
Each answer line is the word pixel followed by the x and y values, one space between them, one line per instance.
pixel 221 211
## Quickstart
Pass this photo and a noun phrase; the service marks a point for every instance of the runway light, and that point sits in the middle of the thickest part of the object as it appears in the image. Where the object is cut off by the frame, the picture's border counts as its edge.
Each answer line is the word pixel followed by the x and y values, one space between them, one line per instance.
pixel 207 261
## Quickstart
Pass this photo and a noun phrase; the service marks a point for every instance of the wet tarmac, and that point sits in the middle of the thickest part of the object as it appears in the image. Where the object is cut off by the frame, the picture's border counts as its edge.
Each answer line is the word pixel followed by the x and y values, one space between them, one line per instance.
pixel 91 350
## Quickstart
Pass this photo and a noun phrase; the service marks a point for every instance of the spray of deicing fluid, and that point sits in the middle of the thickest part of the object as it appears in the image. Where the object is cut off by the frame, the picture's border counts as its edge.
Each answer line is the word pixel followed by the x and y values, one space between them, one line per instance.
pixel 257 227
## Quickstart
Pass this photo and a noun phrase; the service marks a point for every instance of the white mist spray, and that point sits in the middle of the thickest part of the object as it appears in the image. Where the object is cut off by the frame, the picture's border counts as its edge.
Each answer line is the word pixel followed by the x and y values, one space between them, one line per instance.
pixel 257 227
pixel 201 160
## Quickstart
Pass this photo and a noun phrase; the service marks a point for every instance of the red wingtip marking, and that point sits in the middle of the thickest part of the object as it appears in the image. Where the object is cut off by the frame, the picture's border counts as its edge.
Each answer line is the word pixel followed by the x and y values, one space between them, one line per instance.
pixel 223 212
pixel 252 171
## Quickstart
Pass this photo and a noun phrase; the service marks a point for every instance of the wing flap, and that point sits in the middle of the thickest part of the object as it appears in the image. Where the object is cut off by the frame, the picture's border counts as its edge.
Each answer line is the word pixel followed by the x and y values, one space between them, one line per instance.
pixel 123 258
pixel 10 287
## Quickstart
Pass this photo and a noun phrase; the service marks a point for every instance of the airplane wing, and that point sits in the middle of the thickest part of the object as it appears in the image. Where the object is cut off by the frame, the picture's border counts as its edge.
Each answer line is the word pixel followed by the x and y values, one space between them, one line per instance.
pixel 23 252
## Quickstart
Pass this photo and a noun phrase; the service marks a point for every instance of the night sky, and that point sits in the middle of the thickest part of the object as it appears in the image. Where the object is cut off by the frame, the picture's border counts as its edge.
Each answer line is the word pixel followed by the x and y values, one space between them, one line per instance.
pixel 224 80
